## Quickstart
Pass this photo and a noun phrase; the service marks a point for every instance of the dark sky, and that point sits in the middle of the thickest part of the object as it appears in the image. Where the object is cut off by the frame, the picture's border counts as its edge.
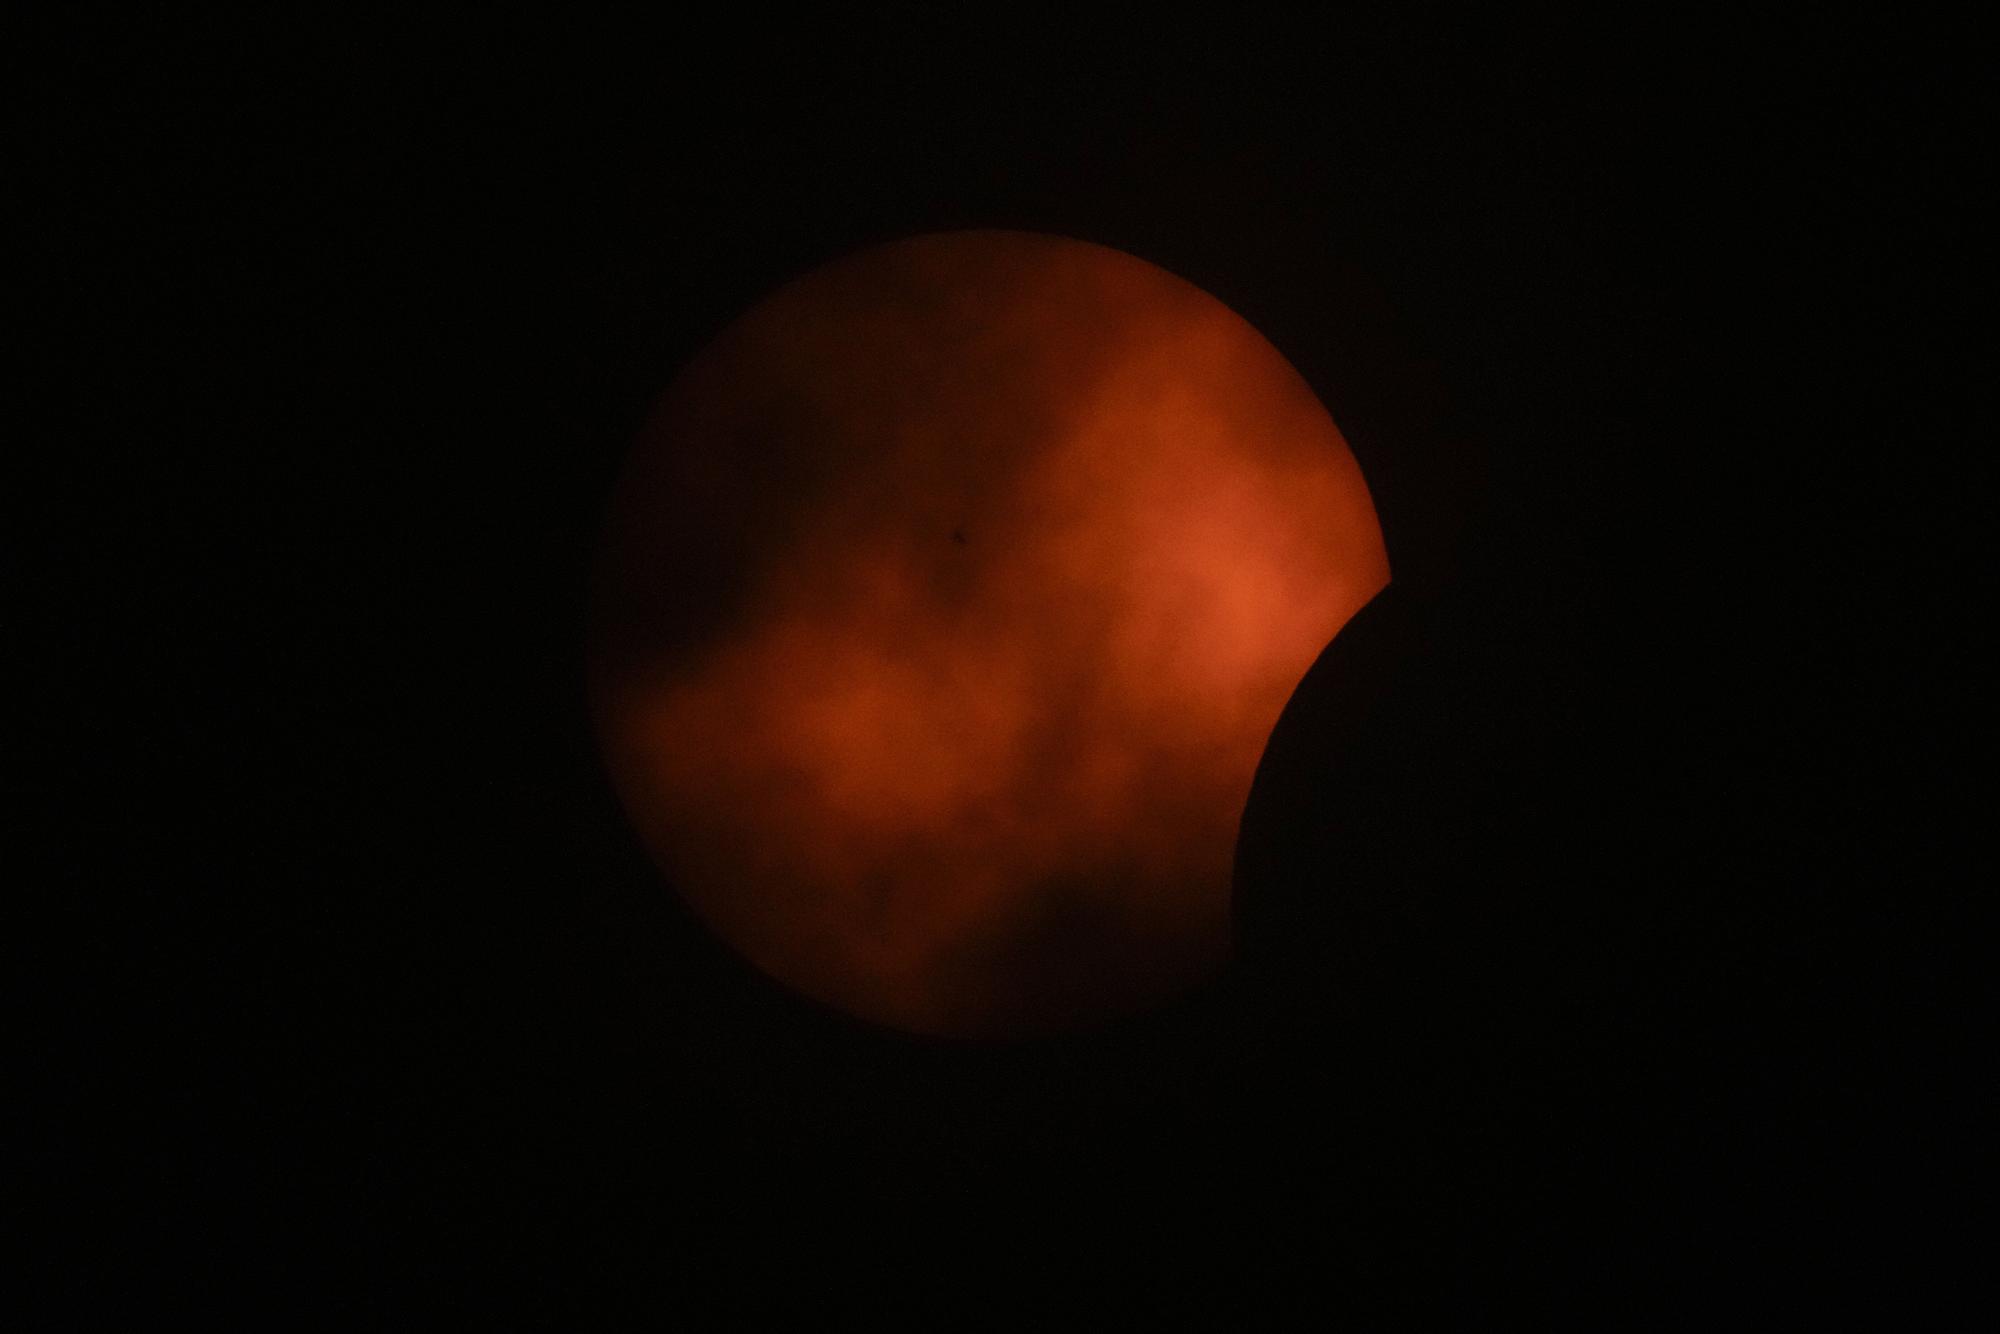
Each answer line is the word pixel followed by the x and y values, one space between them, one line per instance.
pixel 1600 931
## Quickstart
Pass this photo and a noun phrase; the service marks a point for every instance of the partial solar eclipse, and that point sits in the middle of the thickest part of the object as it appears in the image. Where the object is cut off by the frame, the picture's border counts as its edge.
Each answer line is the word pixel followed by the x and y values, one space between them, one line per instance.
pixel 944 608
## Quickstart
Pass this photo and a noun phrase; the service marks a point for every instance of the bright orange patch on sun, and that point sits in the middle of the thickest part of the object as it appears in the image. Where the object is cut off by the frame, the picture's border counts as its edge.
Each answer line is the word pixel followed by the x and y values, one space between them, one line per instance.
pixel 946 605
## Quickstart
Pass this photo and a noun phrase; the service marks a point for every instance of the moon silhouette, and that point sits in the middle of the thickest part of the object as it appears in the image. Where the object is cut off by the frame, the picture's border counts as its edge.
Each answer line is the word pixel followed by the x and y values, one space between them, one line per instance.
pixel 944 608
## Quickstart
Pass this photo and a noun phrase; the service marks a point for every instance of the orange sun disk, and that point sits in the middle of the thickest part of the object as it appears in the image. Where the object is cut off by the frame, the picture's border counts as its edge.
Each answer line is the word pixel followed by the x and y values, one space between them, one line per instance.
pixel 944 609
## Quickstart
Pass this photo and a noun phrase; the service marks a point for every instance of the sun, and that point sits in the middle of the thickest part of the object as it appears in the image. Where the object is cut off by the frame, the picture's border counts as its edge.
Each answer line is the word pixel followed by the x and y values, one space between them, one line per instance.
pixel 944 609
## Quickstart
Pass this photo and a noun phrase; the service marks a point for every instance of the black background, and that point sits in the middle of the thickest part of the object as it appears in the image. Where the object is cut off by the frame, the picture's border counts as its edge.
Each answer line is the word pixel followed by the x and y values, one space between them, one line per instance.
pixel 1602 951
